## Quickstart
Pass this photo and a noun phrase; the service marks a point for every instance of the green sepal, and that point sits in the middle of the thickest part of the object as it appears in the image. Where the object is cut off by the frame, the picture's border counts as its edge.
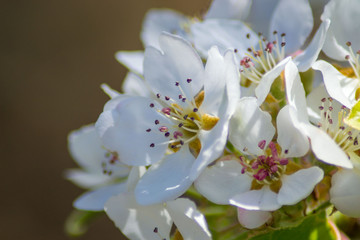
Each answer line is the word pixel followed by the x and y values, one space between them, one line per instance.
pixel 78 222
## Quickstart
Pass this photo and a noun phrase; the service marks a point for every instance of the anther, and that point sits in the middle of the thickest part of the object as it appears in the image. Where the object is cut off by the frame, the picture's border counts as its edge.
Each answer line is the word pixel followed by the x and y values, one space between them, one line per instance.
pixel 152 145
pixel 262 144
pixel 157 122
pixel 163 129
pixel 189 80
pixel 167 134
pixel 283 44
pixel 235 50
pixel 248 35
pixel 323 99
pixel 286 151
pixel 321 107
pixel 180 96
pixel 283 34
pixel 180 125
pixel 331 108
pixel 176 83
pixel 249 50
pixel 183 100
pixel 155 230
pixel 195 110
pixel 181 142
pixel 148 130
pixel 152 105
pixel 274 32
pixel 348 44
pixel 185 116
pixel 158 95
pixel 166 111
pixel 192 118
pixel 167 98
pixel 347 57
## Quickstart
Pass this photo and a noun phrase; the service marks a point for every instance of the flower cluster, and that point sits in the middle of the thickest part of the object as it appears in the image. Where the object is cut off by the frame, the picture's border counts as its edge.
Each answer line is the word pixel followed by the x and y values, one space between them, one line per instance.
pixel 251 111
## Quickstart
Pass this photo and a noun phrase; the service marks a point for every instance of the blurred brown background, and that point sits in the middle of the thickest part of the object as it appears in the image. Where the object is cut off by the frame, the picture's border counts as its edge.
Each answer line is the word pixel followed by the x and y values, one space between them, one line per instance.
pixel 54 56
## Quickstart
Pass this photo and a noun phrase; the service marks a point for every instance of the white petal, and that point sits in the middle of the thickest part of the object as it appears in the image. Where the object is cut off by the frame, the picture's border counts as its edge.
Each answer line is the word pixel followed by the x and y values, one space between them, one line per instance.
pixel 290 137
pixel 157 21
pixel 220 182
pixel 345 192
pixel 85 148
pixel 124 130
pixel 338 86
pixel 166 180
pixel 342 27
pixel 252 219
pixel 218 71
pixel 109 91
pixel 230 9
pixel 136 86
pixel 133 60
pixel 295 92
pixel 263 199
pixel 224 34
pixel 260 15
pixel 85 179
pixel 213 141
pixel 178 62
pixel 95 200
pixel 311 53
pixel 325 148
pixel 138 222
pixel 190 222
pixel 134 176
pixel 263 89
pixel 250 125
pixel 299 185
pixel 314 102
pixel 290 13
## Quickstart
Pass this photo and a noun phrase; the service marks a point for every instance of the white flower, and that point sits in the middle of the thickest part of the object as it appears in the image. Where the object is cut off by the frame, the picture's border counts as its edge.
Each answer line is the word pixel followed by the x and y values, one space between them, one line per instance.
pixel 263 178
pixel 184 128
pixel 98 166
pixel 140 222
pixel 345 21
pixel 100 169
pixel 262 58
pixel 329 137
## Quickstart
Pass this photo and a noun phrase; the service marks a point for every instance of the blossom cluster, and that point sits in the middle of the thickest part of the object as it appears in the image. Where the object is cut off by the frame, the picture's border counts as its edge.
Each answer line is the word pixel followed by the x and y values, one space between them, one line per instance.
pixel 251 109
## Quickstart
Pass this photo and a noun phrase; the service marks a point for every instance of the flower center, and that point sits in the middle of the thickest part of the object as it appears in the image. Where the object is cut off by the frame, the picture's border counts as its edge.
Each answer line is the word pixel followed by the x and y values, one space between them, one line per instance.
pixel 345 136
pixel 267 168
pixel 258 62
pixel 186 120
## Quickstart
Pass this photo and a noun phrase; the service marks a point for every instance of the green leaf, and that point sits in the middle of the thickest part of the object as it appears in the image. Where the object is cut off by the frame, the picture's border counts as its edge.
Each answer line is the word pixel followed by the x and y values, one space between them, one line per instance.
pixel 78 222
pixel 353 119
pixel 313 227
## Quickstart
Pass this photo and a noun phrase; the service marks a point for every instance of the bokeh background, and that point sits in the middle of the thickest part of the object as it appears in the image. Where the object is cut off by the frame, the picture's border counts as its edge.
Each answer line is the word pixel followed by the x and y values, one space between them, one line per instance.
pixel 54 56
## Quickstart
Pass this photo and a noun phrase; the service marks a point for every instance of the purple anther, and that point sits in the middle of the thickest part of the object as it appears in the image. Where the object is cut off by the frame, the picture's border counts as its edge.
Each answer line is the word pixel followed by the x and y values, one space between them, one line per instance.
pixel 262 144
pixel 255 164
pixel 274 168
pixel 283 161
pixel 167 98
pixel 269 46
pixel 152 105
pixel 166 111
pixel 163 129
pixel 189 80
pixel 177 134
